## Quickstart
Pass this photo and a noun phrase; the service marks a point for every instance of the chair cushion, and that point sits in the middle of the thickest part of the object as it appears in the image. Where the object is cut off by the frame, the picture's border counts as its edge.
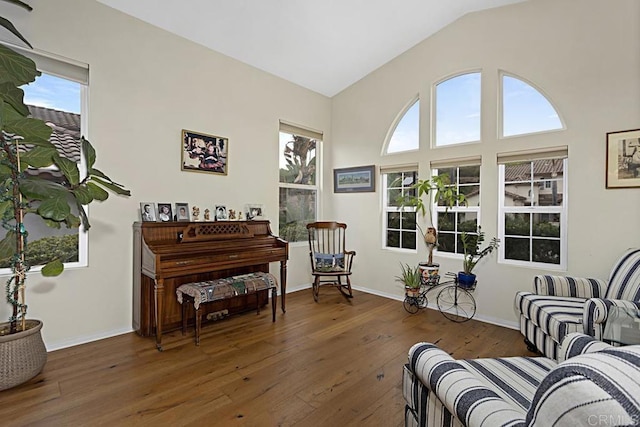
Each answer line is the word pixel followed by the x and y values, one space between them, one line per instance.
pixel 328 262
pixel 555 316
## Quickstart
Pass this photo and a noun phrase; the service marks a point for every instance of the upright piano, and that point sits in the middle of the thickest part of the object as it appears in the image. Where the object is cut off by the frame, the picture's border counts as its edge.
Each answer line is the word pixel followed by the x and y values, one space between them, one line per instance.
pixel 169 254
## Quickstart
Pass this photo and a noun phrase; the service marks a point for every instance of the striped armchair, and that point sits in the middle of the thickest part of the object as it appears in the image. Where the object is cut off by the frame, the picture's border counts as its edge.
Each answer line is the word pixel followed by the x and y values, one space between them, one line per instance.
pixel 560 305
pixel 594 384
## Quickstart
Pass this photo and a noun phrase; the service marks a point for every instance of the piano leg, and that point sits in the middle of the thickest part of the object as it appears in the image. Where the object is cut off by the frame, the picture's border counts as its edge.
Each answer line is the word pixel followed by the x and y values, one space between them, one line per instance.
pixel 274 299
pixel 283 283
pixel 158 293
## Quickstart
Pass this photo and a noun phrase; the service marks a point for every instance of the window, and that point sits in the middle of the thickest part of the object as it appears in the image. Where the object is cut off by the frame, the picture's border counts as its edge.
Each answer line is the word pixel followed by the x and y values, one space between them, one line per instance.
pixel 405 135
pixel 533 217
pixel 525 109
pixel 59 97
pixel 457 110
pixel 298 181
pixel 454 220
pixel 400 230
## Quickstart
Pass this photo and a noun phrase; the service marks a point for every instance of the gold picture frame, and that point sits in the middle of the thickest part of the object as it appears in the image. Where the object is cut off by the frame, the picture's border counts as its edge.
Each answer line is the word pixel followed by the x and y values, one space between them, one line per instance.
pixel 623 159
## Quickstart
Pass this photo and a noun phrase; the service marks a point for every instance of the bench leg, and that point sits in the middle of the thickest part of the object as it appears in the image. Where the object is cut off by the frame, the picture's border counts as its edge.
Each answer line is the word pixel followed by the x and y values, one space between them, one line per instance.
pixel 184 316
pixel 257 303
pixel 274 297
pixel 198 326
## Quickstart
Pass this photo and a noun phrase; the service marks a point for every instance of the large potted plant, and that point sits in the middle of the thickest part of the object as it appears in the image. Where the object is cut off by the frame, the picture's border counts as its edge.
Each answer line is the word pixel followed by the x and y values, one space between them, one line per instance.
pixel 444 194
pixel 473 254
pixel 26 148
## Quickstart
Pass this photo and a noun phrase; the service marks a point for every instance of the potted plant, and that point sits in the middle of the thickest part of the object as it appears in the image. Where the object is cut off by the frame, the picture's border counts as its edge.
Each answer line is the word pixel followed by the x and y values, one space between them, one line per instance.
pixel 472 255
pixel 410 278
pixel 444 193
pixel 26 145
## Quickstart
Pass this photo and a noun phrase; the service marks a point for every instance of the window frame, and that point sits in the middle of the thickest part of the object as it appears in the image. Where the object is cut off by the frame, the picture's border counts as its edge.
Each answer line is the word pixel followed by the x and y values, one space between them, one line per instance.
pixel 394 126
pixel 291 130
pixel 531 210
pixel 458 208
pixel 77 72
pixel 386 208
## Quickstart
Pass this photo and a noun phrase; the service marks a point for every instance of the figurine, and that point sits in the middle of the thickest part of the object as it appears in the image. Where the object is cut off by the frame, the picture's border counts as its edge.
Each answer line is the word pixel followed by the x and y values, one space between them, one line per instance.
pixel 195 213
pixel 207 215
pixel 232 214
pixel 239 216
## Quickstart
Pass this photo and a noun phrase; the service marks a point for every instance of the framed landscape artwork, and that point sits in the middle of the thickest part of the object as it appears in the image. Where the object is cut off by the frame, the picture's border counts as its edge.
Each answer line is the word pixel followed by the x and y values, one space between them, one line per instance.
pixel 354 180
pixel 204 153
pixel 623 159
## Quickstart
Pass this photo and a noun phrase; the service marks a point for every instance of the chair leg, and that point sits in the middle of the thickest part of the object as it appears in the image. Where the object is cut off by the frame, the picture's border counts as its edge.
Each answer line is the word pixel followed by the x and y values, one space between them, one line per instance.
pixel 274 298
pixel 198 325
pixel 184 315
pixel 316 288
pixel 531 346
pixel 342 287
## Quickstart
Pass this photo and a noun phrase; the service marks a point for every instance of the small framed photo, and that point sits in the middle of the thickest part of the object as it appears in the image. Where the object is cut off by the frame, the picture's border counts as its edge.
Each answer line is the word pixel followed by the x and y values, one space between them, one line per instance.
pixel 221 213
pixel 164 212
pixel 148 211
pixel 182 212
pixel 354 180
pixel 204 153
pixel 254 212
pixel 623 159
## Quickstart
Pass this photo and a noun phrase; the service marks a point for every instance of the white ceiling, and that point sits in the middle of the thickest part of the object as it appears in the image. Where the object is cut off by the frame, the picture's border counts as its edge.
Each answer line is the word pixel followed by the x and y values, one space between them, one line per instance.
pixel 323 45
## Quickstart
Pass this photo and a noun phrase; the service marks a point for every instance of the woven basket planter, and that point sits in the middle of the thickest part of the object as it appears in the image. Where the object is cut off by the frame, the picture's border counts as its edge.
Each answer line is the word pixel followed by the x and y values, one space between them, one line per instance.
pixel 22 355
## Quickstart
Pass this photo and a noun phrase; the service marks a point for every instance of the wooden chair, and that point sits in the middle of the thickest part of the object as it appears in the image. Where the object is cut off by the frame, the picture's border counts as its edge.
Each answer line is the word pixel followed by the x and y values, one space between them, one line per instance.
pixel 330 262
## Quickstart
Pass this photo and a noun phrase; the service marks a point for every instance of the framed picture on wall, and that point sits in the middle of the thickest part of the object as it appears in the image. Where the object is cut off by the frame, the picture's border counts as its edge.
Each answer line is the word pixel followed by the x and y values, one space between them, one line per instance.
pixel 354 180
pixel 204 153
pixel 623 159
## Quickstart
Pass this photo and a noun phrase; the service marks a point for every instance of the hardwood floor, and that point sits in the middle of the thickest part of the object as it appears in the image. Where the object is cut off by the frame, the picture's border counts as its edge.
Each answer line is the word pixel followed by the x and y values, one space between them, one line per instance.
pixel 332 363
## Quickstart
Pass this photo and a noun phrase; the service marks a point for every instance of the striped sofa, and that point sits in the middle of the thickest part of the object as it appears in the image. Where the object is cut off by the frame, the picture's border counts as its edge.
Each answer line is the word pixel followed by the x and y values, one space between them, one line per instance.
pixel 560 305
pixel 594 384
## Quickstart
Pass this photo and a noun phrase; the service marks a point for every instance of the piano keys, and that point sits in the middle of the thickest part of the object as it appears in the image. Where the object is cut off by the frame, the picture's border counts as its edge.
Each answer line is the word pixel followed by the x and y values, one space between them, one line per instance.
pixel 169 254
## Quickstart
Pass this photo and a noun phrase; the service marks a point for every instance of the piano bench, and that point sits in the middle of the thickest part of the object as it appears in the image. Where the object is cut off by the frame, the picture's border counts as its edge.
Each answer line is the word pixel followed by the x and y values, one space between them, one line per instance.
pixel 199 293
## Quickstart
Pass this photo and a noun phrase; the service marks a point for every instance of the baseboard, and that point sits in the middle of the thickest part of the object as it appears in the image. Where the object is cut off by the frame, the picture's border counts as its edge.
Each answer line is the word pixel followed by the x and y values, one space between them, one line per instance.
pixel 86 339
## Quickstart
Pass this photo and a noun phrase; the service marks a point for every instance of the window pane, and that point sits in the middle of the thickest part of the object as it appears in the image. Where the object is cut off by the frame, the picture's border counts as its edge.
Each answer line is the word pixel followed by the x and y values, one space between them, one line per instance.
pixel 408 240
pixel 525 109
pixel 446 221
pixel 467 221
pixel 393 239
pixel 517 172
pixel 546 225
pixel 517 224
pixel 297 209
pixel 545 250
pixel 393 220
pixel 470 175
pixel 516 248
pixel 408 220
pixel 471 193
pixel 297 159
pixel 458 110
pixel 405 136
pixel 548 175
pixel 393 196
pixel 446 242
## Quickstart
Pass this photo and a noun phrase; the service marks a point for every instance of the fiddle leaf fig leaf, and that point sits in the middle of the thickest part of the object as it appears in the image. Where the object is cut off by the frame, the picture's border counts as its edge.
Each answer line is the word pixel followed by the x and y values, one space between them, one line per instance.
pixel 9 26
pixel 39 157
pixel 16 68
pixel 69 169
pixel 40 189
pixel 13 96
pixel 97 192
pixel 5 206
pixel 53 268
pixel 89 153
pixel 8 245
pixel 55 208
pixel 116 188
pixel 84 219
pixel 73 221
pixel 33 131
pixel 83 195
pixel 51 223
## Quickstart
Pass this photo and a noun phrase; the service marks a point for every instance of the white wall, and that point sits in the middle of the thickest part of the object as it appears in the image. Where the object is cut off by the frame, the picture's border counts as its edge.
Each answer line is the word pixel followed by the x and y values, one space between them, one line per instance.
pixel 146 85
pixel 584 54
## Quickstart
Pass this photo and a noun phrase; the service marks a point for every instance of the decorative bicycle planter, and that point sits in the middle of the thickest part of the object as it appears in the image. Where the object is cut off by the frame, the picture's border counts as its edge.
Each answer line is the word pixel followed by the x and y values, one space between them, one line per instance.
pixel 455 302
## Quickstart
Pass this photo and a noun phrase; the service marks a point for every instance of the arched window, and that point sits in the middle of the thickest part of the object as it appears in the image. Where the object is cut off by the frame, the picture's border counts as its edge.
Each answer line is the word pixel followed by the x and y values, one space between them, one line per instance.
pixel 406 128
pixel 525 109
pixel 457 110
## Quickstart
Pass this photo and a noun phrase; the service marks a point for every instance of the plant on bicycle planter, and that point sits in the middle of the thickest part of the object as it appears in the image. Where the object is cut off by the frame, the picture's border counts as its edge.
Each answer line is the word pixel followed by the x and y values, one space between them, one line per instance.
pixel 409 277
pixel 443 192
pixel 471 243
